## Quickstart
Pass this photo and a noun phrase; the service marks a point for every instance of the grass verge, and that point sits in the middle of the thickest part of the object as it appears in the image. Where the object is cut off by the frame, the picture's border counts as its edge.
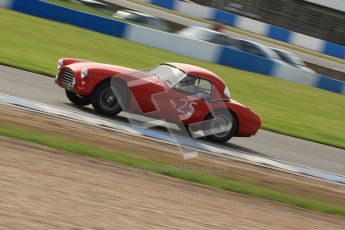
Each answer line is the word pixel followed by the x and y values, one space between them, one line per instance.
pixel 74 146
pixel 36 44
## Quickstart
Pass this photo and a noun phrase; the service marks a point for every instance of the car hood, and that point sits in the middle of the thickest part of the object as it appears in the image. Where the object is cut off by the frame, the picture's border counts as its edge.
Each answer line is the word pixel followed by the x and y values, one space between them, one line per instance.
pixel 106 68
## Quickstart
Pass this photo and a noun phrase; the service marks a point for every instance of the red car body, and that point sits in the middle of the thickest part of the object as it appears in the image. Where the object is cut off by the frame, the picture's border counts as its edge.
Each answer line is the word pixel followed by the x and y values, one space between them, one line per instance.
pixel 152 93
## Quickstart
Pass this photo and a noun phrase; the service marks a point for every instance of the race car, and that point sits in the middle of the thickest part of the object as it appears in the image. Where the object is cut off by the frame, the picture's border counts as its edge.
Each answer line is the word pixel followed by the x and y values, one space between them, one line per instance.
pixel 189 96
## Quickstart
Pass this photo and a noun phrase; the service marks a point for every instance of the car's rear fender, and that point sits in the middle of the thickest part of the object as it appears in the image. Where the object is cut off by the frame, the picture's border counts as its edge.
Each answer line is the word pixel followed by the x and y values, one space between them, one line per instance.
pixel 248 121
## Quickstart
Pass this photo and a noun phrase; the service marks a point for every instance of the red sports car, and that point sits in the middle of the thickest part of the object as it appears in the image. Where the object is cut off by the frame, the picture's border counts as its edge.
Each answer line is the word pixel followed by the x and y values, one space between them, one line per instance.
pixel 189 96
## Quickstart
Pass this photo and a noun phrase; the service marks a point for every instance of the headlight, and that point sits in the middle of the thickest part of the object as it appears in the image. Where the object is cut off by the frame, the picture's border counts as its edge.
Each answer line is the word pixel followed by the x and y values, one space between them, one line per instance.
pixel 226 92
pixel 83 73
pixel 59 63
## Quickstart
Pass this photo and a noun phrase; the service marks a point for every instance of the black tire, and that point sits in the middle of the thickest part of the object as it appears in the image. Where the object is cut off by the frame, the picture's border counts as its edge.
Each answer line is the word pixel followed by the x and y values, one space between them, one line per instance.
pixel 104 101
pixel 122 93
pixel 185 130
pixel 230 120
pixel 77 99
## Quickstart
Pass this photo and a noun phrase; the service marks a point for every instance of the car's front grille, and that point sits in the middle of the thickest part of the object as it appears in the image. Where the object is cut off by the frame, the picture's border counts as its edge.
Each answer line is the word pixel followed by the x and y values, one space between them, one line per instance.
pixel 67 77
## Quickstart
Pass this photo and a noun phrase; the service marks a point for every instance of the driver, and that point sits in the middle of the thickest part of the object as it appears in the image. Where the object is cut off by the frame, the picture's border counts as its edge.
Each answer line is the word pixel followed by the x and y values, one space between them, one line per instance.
pixel 187 84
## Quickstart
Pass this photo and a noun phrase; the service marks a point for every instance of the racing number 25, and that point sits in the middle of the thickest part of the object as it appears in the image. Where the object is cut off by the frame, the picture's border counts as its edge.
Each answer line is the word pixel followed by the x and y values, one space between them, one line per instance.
pixel 187 107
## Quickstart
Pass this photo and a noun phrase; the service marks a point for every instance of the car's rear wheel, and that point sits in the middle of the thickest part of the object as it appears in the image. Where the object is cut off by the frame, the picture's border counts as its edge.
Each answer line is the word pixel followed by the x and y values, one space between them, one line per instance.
pixel 77 99
pixel 220 126
pixel 104 100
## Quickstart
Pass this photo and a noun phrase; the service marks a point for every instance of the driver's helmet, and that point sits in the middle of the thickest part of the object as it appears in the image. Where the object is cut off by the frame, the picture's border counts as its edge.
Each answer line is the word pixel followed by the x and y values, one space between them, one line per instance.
pixel 187 84
pixel 187 81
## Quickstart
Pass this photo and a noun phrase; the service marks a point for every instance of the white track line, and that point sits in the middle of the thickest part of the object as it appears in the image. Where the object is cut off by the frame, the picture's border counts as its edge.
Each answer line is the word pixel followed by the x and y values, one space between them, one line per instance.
pixel 165 137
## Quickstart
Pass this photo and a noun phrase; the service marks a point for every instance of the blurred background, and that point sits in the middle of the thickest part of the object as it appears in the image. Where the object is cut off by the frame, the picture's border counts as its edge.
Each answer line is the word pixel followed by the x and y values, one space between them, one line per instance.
pixel 317 18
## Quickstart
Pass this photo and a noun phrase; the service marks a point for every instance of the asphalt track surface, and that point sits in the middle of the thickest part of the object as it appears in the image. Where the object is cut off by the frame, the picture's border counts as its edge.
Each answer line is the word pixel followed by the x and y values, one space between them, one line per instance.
pixel 42 89
pixel 189 22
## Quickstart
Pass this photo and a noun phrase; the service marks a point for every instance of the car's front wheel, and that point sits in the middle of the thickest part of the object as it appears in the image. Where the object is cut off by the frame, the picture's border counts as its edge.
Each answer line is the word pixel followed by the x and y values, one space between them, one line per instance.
pixel 220 126
pixel 104 100
pixel 77 99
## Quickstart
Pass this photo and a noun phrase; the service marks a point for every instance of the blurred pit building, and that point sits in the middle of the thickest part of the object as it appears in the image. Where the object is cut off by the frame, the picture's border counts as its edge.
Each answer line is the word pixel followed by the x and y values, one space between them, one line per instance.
pixel 324 19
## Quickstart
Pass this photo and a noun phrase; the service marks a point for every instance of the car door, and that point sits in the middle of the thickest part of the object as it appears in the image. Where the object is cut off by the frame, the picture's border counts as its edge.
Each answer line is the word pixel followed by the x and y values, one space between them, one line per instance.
pixel 188 101
pixel 144 87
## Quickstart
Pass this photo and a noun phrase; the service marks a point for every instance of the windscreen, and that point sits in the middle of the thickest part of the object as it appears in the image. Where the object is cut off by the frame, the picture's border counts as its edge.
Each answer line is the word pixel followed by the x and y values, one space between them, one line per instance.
pixel 168 74
pixel 290 58
pixel 197 33
pixel 296 60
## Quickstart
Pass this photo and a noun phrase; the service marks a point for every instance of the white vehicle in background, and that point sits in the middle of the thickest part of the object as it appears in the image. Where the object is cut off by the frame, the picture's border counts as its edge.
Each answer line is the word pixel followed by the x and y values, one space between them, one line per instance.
pixel 142 19
pixel 207 35
pixel 95 4
pixel 275 55
pixel 257 49
pixel 292 59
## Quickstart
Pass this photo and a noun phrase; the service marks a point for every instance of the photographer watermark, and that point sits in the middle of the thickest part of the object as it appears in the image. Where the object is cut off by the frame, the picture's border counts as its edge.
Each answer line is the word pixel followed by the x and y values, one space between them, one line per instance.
pixel 181 103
